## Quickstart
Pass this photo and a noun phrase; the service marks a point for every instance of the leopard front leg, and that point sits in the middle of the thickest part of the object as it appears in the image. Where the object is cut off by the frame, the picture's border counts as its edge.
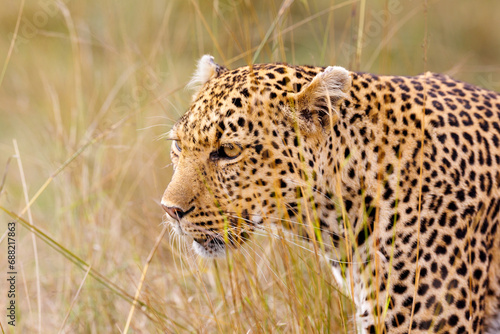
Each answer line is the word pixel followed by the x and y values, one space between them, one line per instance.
pixel 350 284
pixel 392 295
pixel 361 281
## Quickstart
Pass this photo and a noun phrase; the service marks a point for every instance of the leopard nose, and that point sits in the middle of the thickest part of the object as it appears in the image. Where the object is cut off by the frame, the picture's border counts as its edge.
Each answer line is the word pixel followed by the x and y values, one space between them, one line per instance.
pixel 174 212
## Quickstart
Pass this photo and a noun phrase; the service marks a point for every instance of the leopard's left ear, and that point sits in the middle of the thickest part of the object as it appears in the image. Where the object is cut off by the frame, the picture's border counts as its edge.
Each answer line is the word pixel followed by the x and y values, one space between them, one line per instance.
pixel 205 70
pixel 317 103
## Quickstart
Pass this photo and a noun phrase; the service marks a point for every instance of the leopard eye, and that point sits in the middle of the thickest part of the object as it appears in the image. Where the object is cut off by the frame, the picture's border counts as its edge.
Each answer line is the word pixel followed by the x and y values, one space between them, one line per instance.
pixel 229 151
pixel 177 146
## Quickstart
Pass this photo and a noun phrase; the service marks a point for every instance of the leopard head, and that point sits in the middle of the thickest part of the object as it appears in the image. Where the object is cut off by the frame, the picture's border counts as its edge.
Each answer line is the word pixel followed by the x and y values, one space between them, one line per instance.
pixel 253 143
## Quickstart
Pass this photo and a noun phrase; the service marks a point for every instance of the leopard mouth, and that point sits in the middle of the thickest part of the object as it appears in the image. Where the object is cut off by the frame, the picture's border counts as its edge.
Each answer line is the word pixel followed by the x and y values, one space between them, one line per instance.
pixel 209 243
pixel 216 246
pixel 210 248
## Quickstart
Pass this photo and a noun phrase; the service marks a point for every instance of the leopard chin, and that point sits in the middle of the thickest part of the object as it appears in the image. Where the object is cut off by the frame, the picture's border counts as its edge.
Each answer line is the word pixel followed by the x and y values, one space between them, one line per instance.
pixel 214 248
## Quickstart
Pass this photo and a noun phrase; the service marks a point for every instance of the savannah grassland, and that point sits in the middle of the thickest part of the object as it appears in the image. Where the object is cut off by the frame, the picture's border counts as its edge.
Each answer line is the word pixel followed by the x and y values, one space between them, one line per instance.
pixel 87 90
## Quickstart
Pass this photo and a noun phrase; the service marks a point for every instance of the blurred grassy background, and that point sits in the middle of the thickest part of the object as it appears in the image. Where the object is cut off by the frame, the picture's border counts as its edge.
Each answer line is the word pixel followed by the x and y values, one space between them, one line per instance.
pixel 105 79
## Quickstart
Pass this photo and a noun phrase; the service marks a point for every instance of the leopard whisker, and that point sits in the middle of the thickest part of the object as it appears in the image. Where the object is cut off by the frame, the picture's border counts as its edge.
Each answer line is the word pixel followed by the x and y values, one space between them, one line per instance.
pixel 232 214
pixel 255 252
pixel 279 237
pixel 333 200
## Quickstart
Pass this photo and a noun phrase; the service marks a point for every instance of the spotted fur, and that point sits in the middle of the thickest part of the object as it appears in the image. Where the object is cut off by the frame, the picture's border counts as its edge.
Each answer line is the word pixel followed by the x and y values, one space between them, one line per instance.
pixel 399 174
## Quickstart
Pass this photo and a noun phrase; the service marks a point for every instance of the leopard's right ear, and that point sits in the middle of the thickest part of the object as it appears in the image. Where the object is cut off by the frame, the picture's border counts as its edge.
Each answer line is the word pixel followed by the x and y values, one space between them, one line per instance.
pixel 317 103
pixel 205 70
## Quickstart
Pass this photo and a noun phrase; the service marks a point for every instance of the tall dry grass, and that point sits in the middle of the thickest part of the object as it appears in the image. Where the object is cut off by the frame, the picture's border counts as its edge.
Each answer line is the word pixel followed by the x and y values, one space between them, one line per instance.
pixel 87 90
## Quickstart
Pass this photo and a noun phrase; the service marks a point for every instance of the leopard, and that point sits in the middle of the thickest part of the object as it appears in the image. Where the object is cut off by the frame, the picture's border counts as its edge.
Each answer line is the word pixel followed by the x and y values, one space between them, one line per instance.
pixel 399 176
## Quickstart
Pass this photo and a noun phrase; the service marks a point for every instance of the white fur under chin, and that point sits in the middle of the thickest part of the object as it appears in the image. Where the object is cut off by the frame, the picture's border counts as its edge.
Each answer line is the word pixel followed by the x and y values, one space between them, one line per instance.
pixel 218 251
